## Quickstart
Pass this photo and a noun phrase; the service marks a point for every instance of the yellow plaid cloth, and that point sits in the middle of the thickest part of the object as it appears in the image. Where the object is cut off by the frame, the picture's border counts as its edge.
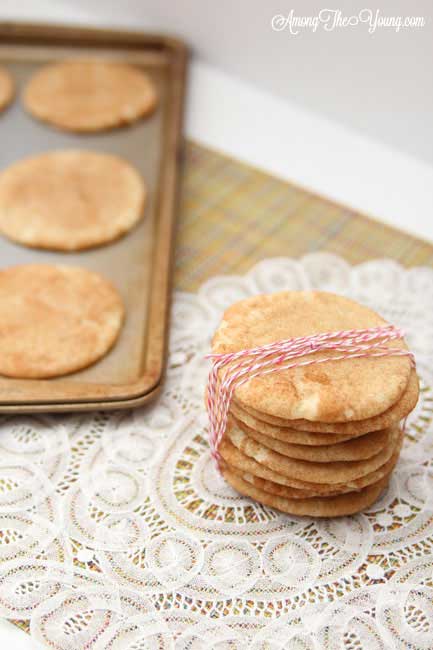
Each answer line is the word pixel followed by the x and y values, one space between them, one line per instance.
pixel 233 215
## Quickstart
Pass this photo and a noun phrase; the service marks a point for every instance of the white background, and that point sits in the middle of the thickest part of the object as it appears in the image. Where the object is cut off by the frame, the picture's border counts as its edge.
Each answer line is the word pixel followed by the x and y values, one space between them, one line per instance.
pixel 344 113
pixel 380 83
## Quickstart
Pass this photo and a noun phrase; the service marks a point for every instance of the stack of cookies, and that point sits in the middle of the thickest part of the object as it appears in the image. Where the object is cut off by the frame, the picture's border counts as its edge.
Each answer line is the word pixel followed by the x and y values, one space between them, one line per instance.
pixel 318 440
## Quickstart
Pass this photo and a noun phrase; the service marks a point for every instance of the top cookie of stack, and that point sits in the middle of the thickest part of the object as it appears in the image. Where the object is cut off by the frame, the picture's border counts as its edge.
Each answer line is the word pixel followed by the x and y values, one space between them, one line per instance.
pixel 321 439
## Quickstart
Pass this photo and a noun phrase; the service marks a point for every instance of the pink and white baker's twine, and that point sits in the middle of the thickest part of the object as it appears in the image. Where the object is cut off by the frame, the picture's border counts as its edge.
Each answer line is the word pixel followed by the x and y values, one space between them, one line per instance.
pixel 275 357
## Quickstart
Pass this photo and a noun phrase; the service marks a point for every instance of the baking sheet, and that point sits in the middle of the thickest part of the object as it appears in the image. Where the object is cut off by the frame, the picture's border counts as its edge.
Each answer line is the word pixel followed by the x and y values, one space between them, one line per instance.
pixel 131 369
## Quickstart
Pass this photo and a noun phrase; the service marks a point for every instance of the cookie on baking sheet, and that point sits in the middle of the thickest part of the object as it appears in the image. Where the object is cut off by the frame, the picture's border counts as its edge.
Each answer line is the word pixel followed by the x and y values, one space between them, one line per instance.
pixel 336 391
pixel 234 458
pixel 277 427
pixel 89 95
pixel 332 506
pixel 70 200
pixel 329 473
pixel 360 448
pixel 7 88
pixel 55 320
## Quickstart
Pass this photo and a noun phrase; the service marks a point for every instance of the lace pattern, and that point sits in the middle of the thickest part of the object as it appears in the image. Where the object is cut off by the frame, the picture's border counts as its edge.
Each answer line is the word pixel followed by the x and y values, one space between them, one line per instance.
pixel 117 532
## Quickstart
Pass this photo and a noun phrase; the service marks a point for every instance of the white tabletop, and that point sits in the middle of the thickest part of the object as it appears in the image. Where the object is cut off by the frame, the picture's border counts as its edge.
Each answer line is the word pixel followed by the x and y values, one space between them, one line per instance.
pixel 256 127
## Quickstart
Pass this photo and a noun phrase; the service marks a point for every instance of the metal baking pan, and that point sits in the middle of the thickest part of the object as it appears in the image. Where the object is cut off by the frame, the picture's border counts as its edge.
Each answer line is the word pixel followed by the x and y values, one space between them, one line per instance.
pixel 139 263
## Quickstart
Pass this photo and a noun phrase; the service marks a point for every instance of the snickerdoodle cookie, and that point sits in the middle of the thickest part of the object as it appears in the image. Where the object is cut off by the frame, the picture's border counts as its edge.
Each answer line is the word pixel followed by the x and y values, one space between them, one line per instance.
pixel 55 320
pixel 89 95
pixel 70 200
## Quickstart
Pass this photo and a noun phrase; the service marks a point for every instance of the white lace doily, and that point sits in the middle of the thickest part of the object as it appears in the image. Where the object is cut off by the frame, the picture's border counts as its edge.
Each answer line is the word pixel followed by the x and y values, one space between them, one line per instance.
pixel 117 532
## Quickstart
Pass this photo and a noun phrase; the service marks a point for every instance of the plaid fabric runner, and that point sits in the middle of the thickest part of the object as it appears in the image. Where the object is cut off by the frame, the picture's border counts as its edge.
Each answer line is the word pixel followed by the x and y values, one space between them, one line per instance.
pixel 233 215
